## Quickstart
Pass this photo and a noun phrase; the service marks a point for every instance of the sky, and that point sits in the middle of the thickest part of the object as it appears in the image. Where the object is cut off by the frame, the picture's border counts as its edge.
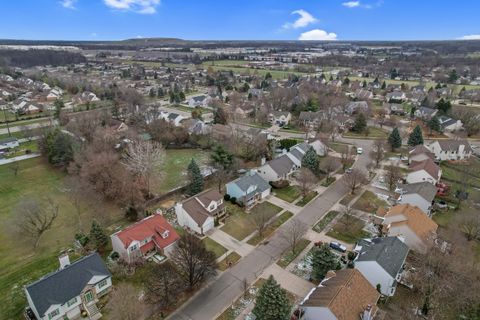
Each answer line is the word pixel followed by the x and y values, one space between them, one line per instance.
pixel 240 20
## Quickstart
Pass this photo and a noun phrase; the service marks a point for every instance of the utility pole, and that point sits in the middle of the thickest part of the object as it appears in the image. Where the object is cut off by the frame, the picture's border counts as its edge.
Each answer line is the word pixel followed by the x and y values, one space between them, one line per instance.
pixel 6 120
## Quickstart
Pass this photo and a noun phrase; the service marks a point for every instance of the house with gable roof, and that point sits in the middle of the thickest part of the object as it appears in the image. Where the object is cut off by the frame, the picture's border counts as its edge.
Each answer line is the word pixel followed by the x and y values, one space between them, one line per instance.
pixel 451 149
pixel 425 170
pixel 249 189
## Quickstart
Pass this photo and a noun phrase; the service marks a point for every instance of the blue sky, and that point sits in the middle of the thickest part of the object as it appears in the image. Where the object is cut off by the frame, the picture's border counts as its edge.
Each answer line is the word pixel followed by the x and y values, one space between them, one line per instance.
pixel 237 20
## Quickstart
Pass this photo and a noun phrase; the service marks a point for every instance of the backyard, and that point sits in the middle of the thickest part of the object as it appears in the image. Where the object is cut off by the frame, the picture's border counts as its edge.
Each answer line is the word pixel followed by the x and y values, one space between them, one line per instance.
pixel 239 223
pixel 348 229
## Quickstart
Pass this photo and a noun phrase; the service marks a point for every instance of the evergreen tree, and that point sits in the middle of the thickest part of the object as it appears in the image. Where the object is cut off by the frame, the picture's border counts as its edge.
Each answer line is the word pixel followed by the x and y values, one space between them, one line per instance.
pixel 360 123
pixel 271 302
pixel 444 106
pixel 310 161
pixel 98 236
pixel 323 260
pixel 196 179
pixel 416 137
pixel 384 85
pixel 394 139
pixel 434 125
pixel 222 158
pixel 59 105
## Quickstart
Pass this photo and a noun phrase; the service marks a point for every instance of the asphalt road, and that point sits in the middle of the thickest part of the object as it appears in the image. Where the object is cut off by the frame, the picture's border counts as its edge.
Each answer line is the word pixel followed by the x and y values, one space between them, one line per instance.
pixel 223 290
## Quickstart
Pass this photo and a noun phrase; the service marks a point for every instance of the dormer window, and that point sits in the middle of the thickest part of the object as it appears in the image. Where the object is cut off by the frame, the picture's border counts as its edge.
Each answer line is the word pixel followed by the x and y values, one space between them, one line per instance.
pixel 165 234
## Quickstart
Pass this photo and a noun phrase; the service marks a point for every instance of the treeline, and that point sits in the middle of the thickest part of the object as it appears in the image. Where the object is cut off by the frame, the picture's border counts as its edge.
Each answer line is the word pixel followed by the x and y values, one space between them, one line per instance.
pixel 39 57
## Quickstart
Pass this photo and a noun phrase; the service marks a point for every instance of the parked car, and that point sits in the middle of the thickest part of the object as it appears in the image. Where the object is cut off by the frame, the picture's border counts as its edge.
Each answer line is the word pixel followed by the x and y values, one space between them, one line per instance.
pixel 349 170
pixel 359 150
pixel 441 204
pixel 338 246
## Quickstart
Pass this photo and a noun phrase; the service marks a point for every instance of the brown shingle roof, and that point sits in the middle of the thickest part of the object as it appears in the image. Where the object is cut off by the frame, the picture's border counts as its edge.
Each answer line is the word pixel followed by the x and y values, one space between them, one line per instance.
pixel 421 149
pixel 347 295
pixel 415 219
pixel 428 165
pixel 196 205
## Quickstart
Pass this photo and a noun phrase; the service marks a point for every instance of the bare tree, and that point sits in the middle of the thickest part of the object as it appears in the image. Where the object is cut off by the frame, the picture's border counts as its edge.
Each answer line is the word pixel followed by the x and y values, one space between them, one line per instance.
pixel 346 157
pixel 145 159
pixel 307 180
pixel 354 180
pixel 163 285
pixel 81 196
pixel 293 233
pixel 392 176
pixel 124 303
pixel 15 167
pixel 260 220
pixel 328 165
pixel 194 262
pixel 33 218
pixel 378 152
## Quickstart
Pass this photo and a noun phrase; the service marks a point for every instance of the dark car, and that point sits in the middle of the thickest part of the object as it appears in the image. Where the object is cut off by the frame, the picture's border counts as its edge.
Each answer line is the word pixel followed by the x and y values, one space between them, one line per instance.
pixel 338 246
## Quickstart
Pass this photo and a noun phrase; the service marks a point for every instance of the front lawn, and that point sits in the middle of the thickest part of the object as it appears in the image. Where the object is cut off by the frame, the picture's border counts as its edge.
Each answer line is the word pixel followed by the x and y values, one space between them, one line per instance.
pixel 230 260
pixel 239 224
pixel 288 256
pixel 369 202
pixel 325 221
pixel 256 239
pixel 348 229
pixel 289 194
pixel 309 197
pixel 347 199
pixel 214 246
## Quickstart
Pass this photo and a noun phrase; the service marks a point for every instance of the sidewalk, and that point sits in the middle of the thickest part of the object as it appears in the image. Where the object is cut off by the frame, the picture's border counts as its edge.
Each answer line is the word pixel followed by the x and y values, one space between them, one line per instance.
pixel 284 204
pixel 287 280
pixel 19 158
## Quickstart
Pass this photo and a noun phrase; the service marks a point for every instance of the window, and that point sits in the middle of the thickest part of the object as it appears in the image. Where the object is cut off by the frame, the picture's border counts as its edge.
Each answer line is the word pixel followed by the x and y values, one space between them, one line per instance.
pixel 102 283
pixel 133 248
pixel 72 302
pixel 53 314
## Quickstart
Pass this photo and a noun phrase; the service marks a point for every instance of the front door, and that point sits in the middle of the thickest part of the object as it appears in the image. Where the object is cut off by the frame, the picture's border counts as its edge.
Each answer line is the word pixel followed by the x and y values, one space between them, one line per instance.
pixel 88 296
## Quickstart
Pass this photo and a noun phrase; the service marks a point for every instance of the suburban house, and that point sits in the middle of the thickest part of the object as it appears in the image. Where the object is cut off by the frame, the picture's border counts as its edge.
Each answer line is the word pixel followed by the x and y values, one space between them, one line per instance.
pixel 363 94
pixel 85 97
pixel 8 143
pixel 172 117
pixel 420 153
pixel 198 101
pixel 280 118
pixel 412 224
pixel 420 194
pixel 356 106
pixel 381 261
pixel 425 113
pixel 394 108
pixel 343 295
pixel 396 96
pixel 144 239
pixel 451 149
pixel 449 124
pixel 249 189
pixel 199 213
pixel 280 168
pixel 76 287
pixel 196 126
pixel 311 119
pixel 319 147
pixel 425 170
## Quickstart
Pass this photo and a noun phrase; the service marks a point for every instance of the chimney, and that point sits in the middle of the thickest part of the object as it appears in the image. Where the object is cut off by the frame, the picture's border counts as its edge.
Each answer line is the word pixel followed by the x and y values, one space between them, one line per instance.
pixel 367 313
pixel 263 161
pixel 330 274
pixel 284 151
pixel 64 260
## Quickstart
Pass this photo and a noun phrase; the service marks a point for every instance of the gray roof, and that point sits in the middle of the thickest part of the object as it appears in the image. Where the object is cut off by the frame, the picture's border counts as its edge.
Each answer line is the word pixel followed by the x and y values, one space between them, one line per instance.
pixel 427 110
pixel 453 145
pixel 281 165
pixel 303 146
pixel 173 116
pixel 425 189
pixel 297 154
pixel 61 286
pixel 251 179
pixel 390 253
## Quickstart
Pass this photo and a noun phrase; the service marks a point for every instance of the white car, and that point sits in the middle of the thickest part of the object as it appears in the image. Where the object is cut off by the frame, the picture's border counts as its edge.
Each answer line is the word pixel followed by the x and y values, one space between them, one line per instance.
pixel 359 150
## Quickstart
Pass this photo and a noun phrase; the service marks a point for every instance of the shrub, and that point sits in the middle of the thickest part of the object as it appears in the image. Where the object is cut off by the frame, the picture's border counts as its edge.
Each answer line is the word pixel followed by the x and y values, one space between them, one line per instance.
pixel 233 200
pixel 226 197
pixel 280 184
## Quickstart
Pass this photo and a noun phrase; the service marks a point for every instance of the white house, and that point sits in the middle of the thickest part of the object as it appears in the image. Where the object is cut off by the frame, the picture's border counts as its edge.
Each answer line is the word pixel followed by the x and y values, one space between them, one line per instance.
pixel 420 153
pixel 280 118
pixel 172 117
pixel 65 293
pixel 451 149
pixel 419 194
pixel 409 222
pixel 249 189
pixel 199 101
pixel 145 238
pixel 381 261
pixel 200 212
pixel 449 124
pixel 425 170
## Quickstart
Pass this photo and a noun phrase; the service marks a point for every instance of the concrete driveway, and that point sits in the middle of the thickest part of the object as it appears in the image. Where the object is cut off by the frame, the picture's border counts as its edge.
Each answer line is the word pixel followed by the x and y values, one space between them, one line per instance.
pixel 219 293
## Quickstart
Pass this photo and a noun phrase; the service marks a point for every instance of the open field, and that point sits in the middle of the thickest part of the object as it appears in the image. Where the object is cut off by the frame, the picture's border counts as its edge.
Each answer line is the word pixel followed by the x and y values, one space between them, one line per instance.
pixel 276 74
pixel 20 264
pixel 176 163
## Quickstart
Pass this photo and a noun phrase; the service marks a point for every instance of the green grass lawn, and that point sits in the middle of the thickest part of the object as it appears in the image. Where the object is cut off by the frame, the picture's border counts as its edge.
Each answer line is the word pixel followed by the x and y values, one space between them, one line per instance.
pixel 309 197
pixel 214 246
pixel 20 264
pixel 239 224
pixel 371 133
pixel 189 109
pixel 348 229
pixel 369 202
pixel 320 226
pixel 288 256
pixel 337 146
pixel 276 74
pixel 256 239
pixel 232 258
pixel 289 194
pixel 347 199
pixel 32 146
pixel 175 167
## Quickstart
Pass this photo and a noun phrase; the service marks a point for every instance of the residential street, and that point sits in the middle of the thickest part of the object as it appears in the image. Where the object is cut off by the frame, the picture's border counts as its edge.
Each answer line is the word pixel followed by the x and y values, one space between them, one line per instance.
pixel 222 291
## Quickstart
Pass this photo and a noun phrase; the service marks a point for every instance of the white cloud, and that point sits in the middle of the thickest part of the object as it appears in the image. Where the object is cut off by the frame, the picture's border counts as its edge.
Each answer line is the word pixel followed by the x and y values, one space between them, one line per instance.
pixel 304 20
pixel 470 37
pixel 138 6
pixel 317 34
pixel 93 34
pixel 69 4
pixel 351 4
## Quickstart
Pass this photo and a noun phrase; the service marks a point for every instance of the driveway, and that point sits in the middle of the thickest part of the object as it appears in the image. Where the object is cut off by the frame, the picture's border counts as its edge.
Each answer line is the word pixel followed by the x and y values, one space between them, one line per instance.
pixel 219 293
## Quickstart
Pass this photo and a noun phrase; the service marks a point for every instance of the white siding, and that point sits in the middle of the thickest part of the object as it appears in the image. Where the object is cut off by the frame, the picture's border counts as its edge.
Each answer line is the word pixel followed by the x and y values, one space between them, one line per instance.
pixel 375 274
pixel 416 200
pixel 317 313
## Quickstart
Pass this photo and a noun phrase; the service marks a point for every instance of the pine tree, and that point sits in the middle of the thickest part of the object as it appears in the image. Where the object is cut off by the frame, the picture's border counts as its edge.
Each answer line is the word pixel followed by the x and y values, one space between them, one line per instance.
pixel 416 137
pixel 98 236
pixel 196 179
pixel 394 139
pixel 323 260
pixel 434 125
pixel 360 123
pixel 310 160
pixel 271 302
